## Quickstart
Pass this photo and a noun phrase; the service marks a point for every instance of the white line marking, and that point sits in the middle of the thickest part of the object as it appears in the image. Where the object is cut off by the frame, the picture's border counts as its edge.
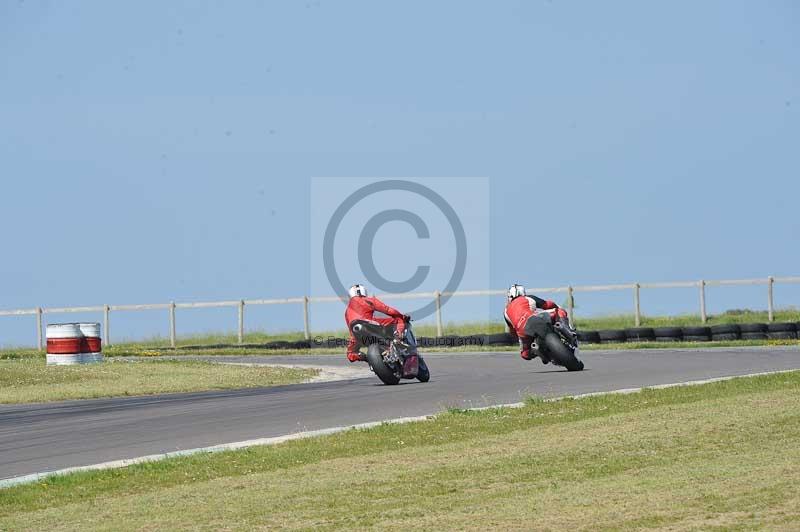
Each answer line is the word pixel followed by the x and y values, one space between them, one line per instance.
pixel 326 373
pixel 35 477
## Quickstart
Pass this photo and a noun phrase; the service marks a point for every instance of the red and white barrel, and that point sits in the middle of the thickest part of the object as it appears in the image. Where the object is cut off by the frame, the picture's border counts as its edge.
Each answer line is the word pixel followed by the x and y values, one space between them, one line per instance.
pixel 91 346
pixel 73 343
pixel 64 344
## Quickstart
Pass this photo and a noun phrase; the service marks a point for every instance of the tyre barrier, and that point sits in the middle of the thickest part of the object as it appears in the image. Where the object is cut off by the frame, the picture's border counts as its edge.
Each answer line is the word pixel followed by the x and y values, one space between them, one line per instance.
pixel 589 337
pixel 498 339
pixel 73 343
pixel 753 331
pixel 782 331
pixel 612 336
pixel 754 336
pixel 640 334
pixel 61 337
pixel 279 344
pixel 753 327
pixel 696 334
pixel 727 332
pixel 668 334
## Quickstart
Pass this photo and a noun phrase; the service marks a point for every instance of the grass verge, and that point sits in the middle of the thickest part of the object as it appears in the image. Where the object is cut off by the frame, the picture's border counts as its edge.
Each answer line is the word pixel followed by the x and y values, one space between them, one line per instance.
pixel 723 455
pixel 29 380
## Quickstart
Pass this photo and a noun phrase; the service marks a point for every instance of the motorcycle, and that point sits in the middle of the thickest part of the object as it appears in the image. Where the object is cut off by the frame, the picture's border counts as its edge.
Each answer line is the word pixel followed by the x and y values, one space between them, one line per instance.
pixel 559 343
pixel 396 359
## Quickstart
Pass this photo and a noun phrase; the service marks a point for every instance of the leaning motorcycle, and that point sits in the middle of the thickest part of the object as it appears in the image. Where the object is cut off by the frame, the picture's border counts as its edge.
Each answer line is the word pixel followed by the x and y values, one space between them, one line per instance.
pixel 396 359
pixel 559 343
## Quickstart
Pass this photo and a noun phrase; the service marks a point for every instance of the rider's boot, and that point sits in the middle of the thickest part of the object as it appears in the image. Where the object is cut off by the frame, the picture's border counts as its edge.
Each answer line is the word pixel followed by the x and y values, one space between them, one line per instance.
pixel 356 357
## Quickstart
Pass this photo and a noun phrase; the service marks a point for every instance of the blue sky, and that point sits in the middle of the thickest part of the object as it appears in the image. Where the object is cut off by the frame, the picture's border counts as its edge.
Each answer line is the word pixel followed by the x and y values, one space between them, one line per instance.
pixel 152 151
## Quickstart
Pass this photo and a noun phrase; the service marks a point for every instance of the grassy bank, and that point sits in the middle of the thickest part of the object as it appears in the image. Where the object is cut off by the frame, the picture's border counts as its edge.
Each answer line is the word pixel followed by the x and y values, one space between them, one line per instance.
pixel 724 455
pixel 29 380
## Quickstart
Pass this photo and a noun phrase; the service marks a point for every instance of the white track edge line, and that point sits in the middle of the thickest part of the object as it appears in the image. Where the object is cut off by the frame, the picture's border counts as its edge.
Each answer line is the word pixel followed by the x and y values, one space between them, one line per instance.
pixel 116 464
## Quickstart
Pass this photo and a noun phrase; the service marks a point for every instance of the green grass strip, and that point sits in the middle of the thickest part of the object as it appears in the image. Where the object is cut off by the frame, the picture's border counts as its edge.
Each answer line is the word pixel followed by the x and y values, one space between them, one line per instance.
pixel 29 379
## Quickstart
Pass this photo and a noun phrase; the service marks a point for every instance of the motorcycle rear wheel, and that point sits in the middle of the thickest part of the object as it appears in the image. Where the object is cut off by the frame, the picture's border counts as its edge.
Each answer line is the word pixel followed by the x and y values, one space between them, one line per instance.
pixel 384 372
pixel 561 354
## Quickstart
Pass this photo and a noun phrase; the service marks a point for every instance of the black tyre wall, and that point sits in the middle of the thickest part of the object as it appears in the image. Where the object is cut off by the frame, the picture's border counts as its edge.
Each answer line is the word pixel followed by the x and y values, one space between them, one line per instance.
pixel 612 336
pixel 781 327
pixel 499 339
pixel 782 331
pixel 640 334
pixel 752 328
pixel 696 334
pixel 754 336
pixel 668 334
pixel 696 331
pixel 589 337
pixel 726 330
pixel 782 335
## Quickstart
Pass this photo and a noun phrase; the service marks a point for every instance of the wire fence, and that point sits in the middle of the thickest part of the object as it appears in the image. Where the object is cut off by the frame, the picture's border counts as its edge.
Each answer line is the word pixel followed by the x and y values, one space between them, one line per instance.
pixel 306 302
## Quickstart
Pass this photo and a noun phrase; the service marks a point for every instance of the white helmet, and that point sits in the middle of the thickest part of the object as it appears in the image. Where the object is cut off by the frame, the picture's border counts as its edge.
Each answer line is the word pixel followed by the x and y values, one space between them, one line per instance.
pixel 515 290
pixel 358 290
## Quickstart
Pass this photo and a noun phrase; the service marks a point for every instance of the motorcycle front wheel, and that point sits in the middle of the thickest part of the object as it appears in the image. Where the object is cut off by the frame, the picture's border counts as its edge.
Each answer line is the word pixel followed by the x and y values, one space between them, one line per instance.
pixel 383 371
pixel 423 373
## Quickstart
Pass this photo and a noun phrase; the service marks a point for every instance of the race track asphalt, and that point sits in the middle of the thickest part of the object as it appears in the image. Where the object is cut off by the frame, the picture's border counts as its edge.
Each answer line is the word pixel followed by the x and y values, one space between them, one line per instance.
pixel 45 437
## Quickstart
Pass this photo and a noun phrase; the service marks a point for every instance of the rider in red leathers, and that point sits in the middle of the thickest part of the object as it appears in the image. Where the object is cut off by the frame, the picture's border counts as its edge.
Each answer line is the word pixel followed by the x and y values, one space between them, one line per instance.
pixel 360 315
pixel 524 317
